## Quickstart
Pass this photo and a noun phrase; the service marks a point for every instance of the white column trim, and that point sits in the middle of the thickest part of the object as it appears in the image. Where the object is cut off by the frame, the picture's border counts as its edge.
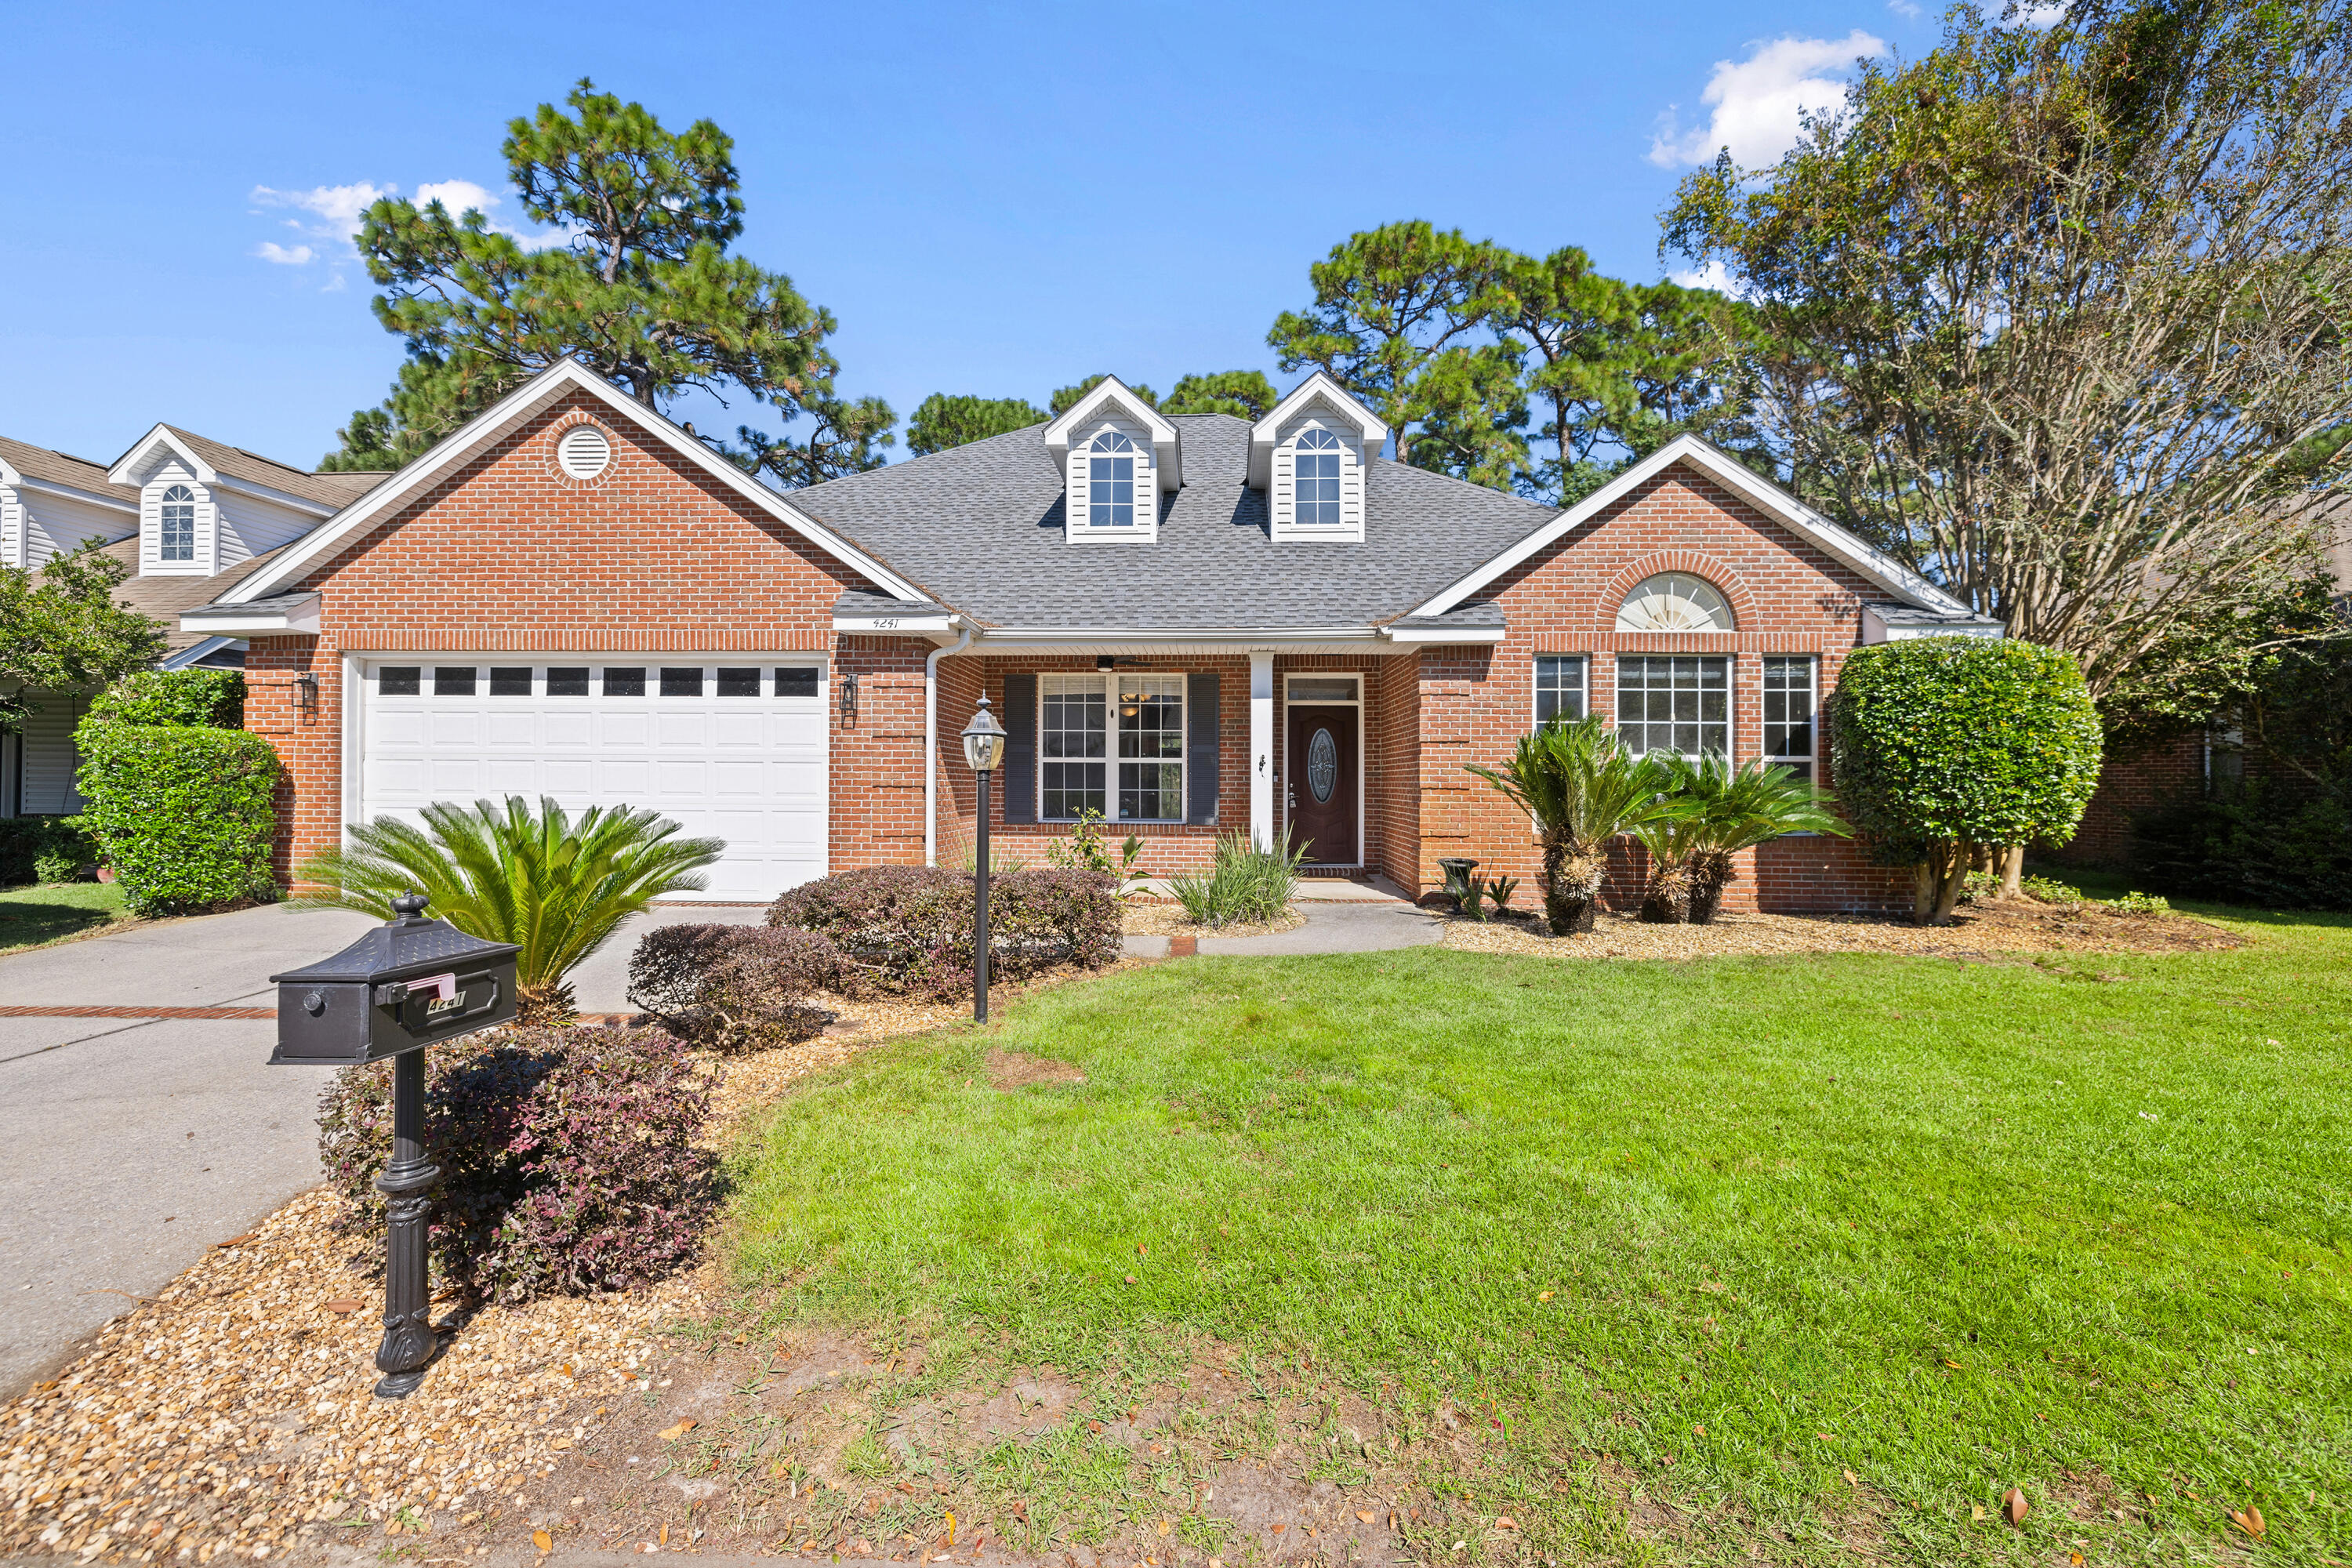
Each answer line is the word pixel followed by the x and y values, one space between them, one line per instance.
pixel 1261 748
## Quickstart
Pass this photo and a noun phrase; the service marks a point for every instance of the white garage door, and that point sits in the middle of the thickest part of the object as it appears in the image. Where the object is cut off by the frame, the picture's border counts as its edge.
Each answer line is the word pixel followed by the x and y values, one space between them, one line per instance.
pixel 730 747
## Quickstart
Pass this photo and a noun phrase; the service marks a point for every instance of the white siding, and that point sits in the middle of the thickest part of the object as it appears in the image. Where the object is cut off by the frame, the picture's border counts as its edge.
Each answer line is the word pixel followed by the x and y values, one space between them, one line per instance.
pixel 1279 492
pixel 1146 485
pixel 12 529
pixel 48 525
pixel 248 527
pixel 49 756
pixel 171 471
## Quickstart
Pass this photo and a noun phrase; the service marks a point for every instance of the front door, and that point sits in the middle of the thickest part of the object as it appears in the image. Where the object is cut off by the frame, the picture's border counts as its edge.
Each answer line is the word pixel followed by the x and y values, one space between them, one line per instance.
pixel 1320 785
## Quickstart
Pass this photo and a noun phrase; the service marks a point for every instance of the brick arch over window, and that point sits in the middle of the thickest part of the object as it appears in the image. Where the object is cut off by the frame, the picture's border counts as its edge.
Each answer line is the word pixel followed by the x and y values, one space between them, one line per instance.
pixel 1723 579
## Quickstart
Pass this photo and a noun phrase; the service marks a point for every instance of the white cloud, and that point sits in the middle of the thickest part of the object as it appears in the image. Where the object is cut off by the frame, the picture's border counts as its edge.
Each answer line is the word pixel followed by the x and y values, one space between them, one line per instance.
pixel 337 208
pixel 1907 9
pixel 1715 275
pixel 328 220
pixel 1758 102
pixel 2042 16
pixel 296 256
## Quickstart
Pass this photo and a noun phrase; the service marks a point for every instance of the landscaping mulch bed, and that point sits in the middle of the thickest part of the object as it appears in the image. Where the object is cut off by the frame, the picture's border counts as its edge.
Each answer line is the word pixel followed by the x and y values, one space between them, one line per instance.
pixel 1978 931
pixel 1169 920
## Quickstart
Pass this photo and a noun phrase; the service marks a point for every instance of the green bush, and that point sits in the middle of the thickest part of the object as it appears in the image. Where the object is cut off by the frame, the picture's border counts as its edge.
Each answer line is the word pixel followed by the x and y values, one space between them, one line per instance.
pixel 203 699
pixel 185 815
pixel 1946 745
pixel 44 849
pixel 2261 845
pixel 1243 884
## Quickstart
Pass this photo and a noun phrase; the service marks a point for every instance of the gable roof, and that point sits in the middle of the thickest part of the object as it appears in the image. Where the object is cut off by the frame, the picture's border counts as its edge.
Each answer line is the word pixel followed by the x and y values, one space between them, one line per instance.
pixel 1317 388
pixel 42 466
pixel 452 450
pixel 214 461
pixel 980 527
pixel 164 598
pixel 1167 441
pixel 1872 563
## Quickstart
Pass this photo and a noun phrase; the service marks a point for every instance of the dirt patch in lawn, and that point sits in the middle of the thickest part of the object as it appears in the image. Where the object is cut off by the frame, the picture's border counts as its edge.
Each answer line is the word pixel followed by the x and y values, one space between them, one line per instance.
pixel 1016 1069
pixel 1977 932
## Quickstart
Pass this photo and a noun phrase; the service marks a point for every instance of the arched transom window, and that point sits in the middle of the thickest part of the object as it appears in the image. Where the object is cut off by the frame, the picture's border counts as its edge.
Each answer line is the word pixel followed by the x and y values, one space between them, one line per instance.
pixel 1315 472
pixel 175 539
pixel 1674 602
pixel 1110 481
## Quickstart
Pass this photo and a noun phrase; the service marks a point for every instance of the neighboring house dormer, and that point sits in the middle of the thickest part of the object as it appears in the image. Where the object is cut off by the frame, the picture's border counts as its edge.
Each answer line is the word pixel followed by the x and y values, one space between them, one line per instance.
pixel 51 504
pixel 1117 455
pixel 205 507
pixel 1308 455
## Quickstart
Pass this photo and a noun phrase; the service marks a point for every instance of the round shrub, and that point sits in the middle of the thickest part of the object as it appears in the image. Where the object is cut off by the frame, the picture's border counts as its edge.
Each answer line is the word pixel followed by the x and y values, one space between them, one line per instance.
pixel 184 815
pixel 570 1161
pixel 45 850
pixel 734 987
pixel 908 929
pixel 1944 745
pixel 203 699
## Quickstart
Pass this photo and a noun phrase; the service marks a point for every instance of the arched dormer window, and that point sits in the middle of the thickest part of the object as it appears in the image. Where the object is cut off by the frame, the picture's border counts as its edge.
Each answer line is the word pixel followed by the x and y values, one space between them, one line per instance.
pixel 1674 602
pixel 1110 481
pixel 176 534
pixel 1314 471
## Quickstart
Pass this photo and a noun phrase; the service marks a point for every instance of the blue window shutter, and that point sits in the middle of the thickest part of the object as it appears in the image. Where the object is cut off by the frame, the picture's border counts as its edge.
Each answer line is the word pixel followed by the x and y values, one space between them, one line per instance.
pixel 1019 773
pixel 1201 748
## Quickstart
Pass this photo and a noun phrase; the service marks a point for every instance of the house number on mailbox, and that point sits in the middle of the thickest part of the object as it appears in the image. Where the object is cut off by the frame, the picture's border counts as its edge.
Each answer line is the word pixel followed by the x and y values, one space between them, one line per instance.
pixel 1322 764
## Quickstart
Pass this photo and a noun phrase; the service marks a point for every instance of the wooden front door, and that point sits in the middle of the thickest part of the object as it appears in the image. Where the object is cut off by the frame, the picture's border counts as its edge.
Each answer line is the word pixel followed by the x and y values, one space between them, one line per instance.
pixel 1320 784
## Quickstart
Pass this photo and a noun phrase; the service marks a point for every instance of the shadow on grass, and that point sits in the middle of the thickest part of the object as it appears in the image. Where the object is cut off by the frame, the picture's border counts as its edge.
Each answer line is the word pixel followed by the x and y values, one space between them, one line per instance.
pixel 30 916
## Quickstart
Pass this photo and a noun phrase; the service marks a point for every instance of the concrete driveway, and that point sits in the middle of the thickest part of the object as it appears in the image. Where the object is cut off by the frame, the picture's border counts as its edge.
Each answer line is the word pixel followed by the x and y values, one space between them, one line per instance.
pixel 128 1146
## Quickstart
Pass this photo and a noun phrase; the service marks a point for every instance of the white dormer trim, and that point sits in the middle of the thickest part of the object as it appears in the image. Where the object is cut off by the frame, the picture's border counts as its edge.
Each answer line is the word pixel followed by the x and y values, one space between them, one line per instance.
pixel 1111 399
pixel 1866 559
pixel 1320 392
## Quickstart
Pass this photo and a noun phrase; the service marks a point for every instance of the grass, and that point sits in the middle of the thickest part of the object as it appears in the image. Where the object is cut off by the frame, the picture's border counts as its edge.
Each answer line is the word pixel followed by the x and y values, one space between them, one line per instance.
pixel 1745 1228
pixel 31 916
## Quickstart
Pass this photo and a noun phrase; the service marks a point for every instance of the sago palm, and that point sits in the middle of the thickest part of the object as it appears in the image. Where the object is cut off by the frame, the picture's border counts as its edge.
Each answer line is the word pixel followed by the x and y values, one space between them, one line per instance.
pixel 1740 810
pixel 554 887
pixel 1580 789
pixel 1678 834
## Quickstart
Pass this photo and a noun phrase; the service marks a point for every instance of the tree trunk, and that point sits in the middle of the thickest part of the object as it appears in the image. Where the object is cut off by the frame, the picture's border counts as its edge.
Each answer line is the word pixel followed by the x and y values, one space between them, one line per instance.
pixel 544 1005
pixel 1571 889
pixel 1667 900
pixel 1923 892
pixel 1710 874
pixel 2013 872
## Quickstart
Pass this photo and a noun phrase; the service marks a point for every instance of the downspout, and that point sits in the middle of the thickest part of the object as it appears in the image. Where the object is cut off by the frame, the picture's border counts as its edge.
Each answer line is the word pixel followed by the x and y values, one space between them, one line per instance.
pixel 931 744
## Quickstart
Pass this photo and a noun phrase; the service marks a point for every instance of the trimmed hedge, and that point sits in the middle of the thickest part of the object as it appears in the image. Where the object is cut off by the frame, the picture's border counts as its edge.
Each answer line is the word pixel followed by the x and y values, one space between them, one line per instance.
pixel 202 698
pixel 45 850
pixel 185 816
pixel 908 929
pixel 2262 847
pixel 569 1158
pixel 734 987
pixel 1964 740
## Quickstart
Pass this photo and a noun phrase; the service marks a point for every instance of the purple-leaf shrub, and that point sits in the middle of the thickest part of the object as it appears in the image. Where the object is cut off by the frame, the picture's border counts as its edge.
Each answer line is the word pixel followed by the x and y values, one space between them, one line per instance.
pixel 734 987
pixel 908 929
pixel 567 1158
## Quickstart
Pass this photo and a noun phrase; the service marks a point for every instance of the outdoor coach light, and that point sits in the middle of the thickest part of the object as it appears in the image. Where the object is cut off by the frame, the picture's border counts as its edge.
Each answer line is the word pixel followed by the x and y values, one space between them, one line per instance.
pixel 398 989
pixel 984 748
pixel 850 697
pixel 306 693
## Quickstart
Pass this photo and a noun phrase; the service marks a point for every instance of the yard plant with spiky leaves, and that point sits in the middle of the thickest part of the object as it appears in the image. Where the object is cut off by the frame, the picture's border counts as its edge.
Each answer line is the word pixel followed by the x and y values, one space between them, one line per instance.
pixel 1580 788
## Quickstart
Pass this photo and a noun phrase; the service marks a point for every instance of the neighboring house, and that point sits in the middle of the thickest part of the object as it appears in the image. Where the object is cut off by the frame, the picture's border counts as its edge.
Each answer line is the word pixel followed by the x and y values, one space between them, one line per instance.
pixel 188 517
pixel 1192 625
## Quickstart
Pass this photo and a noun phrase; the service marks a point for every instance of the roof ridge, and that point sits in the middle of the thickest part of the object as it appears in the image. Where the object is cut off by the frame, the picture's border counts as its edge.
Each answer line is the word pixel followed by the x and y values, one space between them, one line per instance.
pixel 1548 512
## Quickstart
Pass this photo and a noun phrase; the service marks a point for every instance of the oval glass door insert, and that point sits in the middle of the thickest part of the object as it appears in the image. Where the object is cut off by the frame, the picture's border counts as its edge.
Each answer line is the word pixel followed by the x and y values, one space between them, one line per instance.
pixel 1322 764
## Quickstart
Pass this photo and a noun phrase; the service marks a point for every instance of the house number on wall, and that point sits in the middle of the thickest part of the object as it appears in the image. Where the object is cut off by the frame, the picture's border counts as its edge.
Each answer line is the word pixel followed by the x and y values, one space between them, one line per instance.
pixel 1322 764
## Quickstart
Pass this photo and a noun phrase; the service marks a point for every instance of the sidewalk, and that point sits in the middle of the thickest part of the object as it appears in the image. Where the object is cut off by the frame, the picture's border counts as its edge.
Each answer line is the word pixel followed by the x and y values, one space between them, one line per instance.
pixel 1372 916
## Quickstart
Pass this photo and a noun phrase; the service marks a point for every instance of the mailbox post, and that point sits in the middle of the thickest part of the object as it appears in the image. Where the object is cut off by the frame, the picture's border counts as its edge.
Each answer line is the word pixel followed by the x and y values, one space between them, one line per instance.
pixel 400 988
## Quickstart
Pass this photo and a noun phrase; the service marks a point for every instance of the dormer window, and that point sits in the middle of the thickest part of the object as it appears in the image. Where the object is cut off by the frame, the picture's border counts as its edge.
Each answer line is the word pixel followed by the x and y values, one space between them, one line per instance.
pixel 1110 481
pixel 175 538
pixel 1316 472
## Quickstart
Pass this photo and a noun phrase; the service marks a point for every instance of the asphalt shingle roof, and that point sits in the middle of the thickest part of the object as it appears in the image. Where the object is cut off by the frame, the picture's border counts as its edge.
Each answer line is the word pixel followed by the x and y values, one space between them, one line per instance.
pixel 979 527
pixel 62 469
pixel 337 490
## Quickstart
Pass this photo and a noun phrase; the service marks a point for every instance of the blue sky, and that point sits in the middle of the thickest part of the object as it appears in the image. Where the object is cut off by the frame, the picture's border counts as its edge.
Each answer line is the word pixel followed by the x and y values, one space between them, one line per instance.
pixel 992 199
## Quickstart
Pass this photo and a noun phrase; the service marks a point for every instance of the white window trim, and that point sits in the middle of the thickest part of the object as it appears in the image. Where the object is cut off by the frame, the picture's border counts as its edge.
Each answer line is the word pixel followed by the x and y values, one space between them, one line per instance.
pixel 1076 489
pixel 1282 493
pixel 1535 686
pixel 1111 759
pixel 206 537
pixel 1730 695
pixel 1363 823
pixel 1812 759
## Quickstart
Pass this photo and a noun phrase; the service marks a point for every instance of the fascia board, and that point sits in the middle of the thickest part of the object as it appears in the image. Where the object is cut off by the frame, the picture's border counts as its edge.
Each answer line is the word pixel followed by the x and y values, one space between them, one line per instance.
pixel 71 493
pixel 1866 559
pixel 1369 425
pixel 126 466
pixel 276 498
pixel 1167 444
pixel 187 657
pixel 1049 636
pixel 299 615
pixel 1436 635
pixel 455 446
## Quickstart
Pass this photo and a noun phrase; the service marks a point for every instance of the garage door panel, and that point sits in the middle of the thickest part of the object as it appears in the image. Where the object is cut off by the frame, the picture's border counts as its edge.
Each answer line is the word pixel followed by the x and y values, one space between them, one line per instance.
pixel 569 779
pixel 625 728
pixel 453 727
pixel 571 728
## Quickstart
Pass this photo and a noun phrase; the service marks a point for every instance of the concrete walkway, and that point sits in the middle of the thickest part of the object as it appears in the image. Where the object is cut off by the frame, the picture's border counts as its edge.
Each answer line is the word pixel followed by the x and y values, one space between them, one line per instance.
pixel 1341 917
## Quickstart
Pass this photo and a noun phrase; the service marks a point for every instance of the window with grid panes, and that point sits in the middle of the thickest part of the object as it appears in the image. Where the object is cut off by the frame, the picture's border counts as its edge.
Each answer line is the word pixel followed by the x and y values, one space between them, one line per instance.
pixel 1674 702
pixel 1073 745
pixel 1790 702
pixel 1150 747
pixel 1560 686
pixel 1088 724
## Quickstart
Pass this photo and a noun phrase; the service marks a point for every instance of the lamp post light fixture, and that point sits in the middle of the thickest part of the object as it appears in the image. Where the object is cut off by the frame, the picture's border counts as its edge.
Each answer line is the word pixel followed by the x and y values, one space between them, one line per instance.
pixel 306 695
pixel 984 748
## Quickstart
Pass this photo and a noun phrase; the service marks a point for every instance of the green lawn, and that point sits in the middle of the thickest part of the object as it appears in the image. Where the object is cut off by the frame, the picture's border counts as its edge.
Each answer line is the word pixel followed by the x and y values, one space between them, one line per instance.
pixel 52 909
pixel 2081 1227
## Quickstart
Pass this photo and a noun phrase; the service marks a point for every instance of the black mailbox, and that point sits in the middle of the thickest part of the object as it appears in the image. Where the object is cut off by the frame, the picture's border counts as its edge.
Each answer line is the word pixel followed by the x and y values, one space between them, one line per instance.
pixel 409 983
pixel 396 990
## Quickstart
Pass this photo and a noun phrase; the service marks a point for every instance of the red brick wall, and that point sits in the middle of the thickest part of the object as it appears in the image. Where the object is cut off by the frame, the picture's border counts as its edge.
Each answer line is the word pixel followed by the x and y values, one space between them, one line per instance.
pixel 508 554
pixel 2169 771
pixel 1392 717
pixel 1786 598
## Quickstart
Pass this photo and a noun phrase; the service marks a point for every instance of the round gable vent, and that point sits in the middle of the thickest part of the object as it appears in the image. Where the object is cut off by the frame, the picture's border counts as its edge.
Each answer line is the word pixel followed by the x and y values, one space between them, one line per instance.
pixel 585 452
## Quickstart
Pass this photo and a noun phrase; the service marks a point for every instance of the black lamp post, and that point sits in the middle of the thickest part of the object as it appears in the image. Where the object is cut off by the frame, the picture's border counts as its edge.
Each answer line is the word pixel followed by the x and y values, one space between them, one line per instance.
pixel 984 748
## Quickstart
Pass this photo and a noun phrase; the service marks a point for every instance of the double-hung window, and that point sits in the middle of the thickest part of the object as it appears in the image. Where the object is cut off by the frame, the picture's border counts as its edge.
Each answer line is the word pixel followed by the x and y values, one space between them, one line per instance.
pixel 1087 724
pixel 1790 703
pixel 1110 481
pixel 1674 702
pixel 1314 478
pixel 1560 686
pixel 175 538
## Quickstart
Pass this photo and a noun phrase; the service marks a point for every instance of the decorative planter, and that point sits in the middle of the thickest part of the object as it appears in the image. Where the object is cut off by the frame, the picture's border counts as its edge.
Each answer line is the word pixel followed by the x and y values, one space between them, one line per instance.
pixel 1457 869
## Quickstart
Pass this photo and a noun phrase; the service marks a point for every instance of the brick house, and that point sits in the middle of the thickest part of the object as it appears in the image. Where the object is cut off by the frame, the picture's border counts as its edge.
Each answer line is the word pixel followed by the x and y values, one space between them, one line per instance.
pixel 1193 625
